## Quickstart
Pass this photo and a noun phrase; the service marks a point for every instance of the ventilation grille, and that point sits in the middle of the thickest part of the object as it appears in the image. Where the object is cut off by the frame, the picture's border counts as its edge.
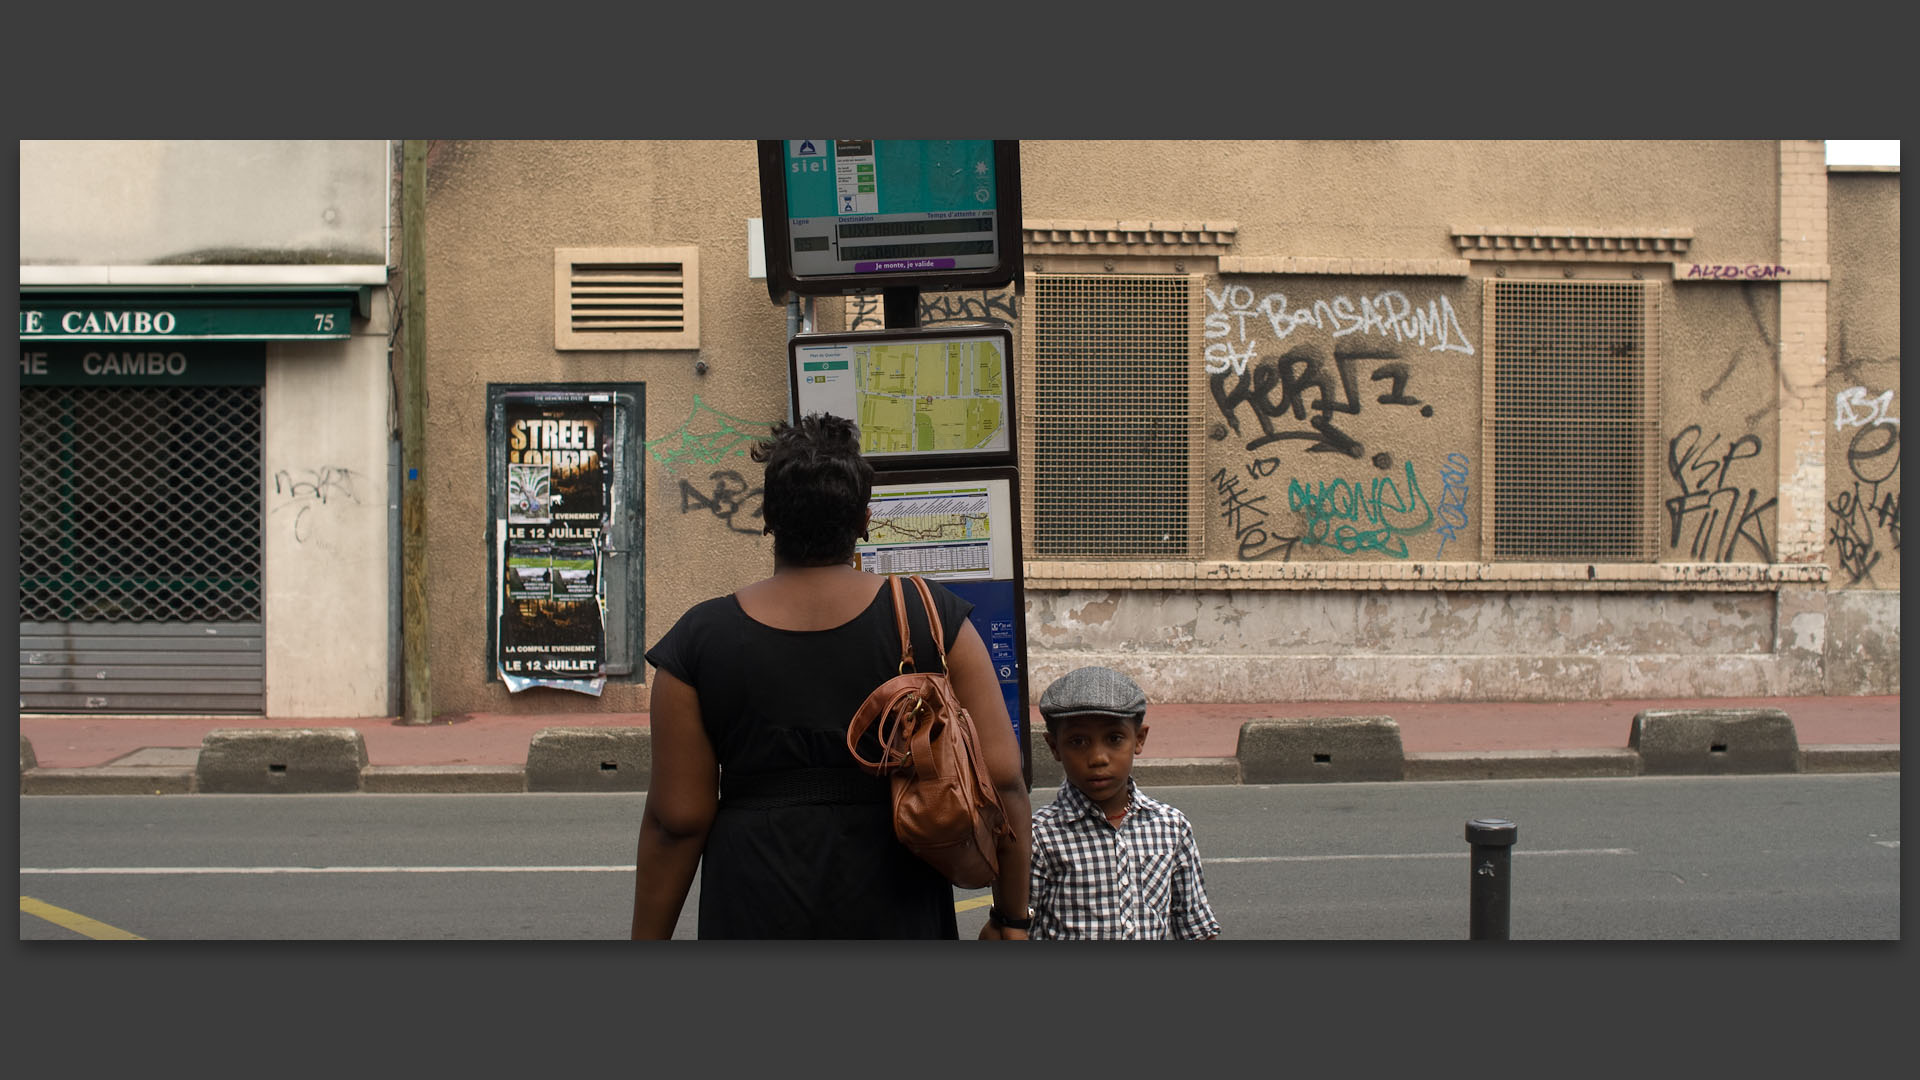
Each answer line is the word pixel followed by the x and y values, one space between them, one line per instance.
pixel 142 504
pixel 1571 389
pixel 1111 394
pixel 626 298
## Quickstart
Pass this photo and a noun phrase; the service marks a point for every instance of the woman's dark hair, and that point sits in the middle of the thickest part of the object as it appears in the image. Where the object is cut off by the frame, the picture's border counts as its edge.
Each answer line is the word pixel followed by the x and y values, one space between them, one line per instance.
pixel 814 498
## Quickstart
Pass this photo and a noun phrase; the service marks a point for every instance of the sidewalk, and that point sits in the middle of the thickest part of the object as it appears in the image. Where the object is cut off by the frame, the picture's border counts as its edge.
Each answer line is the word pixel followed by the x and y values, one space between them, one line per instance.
pixel 1868 725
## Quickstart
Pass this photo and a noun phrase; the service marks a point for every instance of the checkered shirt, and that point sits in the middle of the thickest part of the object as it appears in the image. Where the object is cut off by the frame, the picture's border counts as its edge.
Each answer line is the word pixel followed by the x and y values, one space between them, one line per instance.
pixel 1140 880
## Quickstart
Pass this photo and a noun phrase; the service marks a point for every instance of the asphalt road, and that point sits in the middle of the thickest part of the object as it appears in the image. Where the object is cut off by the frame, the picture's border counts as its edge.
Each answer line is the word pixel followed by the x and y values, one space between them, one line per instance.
pixel 1769 857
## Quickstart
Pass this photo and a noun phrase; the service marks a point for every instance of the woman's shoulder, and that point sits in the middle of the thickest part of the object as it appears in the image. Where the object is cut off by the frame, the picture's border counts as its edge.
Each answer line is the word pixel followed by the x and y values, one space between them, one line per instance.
pixel 707 615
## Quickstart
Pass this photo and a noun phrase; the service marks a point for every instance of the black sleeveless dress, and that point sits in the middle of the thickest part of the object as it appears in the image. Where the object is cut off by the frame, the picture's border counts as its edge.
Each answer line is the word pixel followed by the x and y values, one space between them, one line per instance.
pixel 803 844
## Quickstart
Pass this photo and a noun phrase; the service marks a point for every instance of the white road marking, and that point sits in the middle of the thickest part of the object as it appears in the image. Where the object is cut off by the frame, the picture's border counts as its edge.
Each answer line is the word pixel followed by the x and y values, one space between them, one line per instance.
pixel 628 869
pixel 1208 861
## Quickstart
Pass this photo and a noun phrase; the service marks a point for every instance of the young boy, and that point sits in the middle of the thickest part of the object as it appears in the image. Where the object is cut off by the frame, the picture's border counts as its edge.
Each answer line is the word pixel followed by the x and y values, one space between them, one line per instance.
pixel 1108 861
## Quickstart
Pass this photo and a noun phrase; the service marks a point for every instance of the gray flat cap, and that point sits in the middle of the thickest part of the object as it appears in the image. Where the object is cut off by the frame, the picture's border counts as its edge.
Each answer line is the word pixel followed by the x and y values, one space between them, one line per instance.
pixel 1093 691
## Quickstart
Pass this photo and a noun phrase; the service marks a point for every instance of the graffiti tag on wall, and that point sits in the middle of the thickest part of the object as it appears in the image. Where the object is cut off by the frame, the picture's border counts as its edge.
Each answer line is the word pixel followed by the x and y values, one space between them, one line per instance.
pixel 1737 272
pixel 706 437
pixel 1868 513
pixel 1856 408
pixel 1304 383
pixel 307 490
pixel 1710 502
pixel 1453 500
pixel 867 312
pixel 1372 515
pixel 728 501
pixel 1287 372
pixel 1385 315
pixel 1248 520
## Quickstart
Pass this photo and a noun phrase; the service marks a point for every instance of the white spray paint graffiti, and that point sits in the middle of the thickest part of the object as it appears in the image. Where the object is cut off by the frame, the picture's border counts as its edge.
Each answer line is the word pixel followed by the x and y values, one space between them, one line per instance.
pixel 1387 314
pixel 1854 408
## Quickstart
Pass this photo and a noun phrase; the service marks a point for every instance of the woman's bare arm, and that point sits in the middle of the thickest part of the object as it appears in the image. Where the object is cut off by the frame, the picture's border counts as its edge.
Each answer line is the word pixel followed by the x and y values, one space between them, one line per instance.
pixel 683 793
pixel 971 671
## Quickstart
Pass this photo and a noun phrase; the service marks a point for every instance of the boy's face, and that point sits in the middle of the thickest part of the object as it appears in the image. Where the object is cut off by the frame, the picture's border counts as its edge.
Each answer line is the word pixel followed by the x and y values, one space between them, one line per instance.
pixel 1096 753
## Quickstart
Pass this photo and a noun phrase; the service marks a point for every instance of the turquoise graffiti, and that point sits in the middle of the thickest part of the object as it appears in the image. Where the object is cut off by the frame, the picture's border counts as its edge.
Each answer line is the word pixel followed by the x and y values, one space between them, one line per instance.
pixel 707 437
pixel 1372 515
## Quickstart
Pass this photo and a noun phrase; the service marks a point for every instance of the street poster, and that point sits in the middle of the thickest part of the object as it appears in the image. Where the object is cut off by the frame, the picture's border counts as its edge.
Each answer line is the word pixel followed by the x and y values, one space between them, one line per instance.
pixel 552 536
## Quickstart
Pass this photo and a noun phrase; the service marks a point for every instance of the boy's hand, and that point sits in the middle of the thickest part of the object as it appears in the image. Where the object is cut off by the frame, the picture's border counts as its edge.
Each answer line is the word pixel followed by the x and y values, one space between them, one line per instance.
pixel 992 932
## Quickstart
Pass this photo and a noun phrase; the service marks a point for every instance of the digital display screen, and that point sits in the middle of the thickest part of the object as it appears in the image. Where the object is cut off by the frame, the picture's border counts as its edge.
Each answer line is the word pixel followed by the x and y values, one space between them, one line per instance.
pixel 915 251
pixel 914 228
pixel 840 190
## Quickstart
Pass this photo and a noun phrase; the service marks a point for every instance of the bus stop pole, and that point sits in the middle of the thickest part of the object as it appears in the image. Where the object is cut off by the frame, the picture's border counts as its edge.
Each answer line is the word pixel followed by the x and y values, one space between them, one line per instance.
pixel 900 307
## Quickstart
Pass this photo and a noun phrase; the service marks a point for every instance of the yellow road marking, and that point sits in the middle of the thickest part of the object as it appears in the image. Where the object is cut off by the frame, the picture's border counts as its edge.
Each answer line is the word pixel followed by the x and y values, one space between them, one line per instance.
pixel 75 922
pixel 976 902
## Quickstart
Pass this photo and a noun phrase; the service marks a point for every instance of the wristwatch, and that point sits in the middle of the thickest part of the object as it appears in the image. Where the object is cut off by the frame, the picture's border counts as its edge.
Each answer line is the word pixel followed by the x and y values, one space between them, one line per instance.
pixel 996 918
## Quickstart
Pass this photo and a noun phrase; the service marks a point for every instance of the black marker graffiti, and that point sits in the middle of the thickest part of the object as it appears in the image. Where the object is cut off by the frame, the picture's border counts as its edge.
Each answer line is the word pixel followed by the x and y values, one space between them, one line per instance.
pixel 730 496
pixel 1711 502
pixel 1874 459
pixel 1301 372
pixel 1248 519
pixel 867 313
pixel 305 489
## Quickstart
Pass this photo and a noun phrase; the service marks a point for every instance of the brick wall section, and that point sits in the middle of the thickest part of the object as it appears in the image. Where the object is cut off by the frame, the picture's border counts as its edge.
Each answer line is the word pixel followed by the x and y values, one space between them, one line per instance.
pixel 1801 441
pixel 1300 264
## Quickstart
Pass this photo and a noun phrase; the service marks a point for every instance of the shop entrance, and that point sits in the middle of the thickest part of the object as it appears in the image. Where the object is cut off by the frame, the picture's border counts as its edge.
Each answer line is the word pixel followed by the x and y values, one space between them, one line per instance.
pixel 141 544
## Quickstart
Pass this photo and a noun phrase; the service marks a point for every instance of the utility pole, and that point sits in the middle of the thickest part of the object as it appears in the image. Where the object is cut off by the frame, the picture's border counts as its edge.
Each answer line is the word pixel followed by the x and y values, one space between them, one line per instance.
pixel 413 434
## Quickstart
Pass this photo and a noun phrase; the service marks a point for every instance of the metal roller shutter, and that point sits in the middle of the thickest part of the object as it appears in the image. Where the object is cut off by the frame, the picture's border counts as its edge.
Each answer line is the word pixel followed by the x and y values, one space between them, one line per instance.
pixel 140 549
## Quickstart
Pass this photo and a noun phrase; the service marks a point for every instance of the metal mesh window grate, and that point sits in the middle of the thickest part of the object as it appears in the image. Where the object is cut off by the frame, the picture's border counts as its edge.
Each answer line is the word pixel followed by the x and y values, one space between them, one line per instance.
pixel 1571 385
pixel 1112 403
pixel 140 504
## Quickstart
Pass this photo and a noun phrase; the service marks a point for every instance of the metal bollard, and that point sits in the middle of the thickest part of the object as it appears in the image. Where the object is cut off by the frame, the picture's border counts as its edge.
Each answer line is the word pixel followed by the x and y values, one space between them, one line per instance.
pixel 1490 886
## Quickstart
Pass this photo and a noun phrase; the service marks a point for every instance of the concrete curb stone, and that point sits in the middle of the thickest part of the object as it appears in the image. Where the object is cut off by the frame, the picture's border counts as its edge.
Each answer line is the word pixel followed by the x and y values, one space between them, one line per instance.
pixel 443 779
pixel 109 780
pixel 581 759
pixel 1850 758
pixel 1151 772
pixel 1320 749
pixel 1714 742
pixel 1520 764
pixel 1180 772
pixel 252 761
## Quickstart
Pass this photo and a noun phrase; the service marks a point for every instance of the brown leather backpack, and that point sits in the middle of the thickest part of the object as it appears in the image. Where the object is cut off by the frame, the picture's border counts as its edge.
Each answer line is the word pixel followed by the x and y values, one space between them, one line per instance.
pixel 945 807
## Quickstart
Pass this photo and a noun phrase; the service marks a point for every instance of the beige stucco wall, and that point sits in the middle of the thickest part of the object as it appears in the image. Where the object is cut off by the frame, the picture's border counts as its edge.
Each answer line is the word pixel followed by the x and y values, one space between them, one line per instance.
pixel 1398 199
pixel 1297 476
pixel 1863 380
pixel 1863 433
pixel 1719 485
pixel 328 419
pixel 496 211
